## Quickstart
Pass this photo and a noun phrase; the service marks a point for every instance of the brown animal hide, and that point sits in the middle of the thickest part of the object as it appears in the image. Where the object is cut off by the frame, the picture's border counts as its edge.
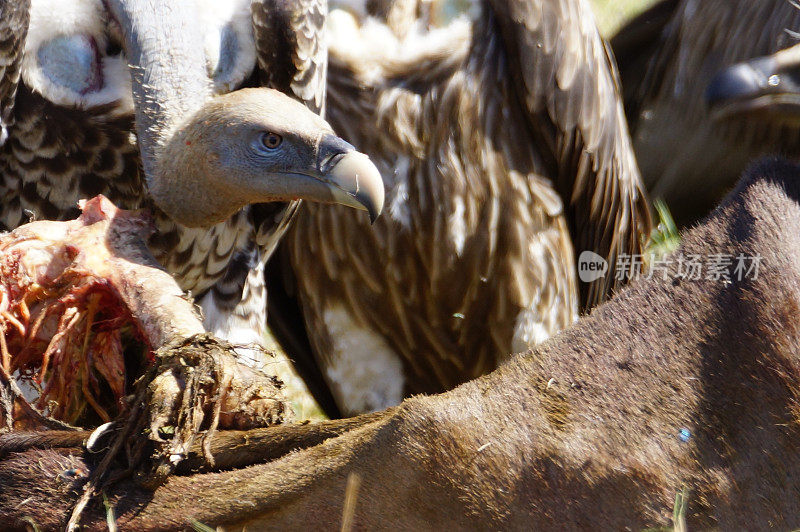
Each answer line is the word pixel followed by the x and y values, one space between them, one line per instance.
pixel 674 384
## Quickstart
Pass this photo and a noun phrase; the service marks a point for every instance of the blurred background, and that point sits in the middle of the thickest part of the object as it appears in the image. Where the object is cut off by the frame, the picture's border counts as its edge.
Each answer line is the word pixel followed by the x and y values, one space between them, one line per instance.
pixel 612 14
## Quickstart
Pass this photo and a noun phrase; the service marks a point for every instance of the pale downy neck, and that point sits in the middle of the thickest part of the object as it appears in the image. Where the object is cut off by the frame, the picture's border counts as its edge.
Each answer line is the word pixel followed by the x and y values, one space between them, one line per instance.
pixel 168 69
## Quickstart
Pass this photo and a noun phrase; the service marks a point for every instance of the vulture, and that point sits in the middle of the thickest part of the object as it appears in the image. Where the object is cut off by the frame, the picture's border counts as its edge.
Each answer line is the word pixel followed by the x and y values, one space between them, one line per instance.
pixel 691 147
pixel 160 105
pixel 506 157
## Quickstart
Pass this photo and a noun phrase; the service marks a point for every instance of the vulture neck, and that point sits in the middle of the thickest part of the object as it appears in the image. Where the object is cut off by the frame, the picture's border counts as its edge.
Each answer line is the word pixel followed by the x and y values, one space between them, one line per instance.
pixel 168 69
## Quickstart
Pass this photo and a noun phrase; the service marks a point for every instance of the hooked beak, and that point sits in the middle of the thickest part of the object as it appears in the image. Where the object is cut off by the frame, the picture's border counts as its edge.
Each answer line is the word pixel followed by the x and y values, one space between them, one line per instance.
pixel 766 87
pixel 350 176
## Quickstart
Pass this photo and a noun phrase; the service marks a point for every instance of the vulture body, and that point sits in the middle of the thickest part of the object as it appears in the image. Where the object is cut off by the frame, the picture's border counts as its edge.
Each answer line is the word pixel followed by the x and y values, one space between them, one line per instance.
pixel 505 153
pixel 67 104
pixel 689 154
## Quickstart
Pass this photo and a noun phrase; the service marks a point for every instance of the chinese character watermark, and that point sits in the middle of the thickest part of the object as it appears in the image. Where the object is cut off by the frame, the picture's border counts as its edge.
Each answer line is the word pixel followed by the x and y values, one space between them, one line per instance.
pixel 721 267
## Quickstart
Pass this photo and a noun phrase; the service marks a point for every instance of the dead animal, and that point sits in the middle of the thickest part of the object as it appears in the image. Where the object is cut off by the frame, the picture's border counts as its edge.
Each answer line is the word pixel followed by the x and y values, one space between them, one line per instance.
pixel 679 385
pixel 70 293
pixel 67 297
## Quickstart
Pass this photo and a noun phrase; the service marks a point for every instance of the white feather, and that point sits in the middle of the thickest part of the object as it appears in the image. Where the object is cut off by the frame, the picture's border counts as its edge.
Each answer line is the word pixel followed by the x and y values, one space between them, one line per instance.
pixel 373 45
pixel 365 374
pixel 229 42
pixel 457 225
pixel 399 208
pixel 245 324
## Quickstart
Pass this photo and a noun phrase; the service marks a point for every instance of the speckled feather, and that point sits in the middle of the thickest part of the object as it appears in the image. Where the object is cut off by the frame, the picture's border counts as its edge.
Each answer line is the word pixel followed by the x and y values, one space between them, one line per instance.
pixel 14 19
pixel 293 29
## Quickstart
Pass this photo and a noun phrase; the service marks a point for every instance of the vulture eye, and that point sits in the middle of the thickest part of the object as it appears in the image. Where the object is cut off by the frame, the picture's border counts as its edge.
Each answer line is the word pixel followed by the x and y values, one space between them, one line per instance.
pixel 271 140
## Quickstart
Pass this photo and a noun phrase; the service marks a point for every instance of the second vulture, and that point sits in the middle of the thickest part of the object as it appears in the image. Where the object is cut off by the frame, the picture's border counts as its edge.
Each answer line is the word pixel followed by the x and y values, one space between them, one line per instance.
pixel 695 124
pixel 506 156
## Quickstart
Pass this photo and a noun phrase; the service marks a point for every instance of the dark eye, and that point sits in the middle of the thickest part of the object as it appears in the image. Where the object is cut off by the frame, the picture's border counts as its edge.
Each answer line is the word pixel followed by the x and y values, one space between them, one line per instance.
pixel 271 140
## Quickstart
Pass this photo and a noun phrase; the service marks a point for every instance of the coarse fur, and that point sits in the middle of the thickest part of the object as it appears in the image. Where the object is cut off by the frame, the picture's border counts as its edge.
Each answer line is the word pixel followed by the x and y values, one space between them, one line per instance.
pixel 673 385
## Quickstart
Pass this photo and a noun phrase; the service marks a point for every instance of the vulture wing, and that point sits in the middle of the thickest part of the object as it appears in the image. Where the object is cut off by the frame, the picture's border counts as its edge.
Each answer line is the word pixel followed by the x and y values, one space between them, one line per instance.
pixel 566 79
pixel 291 49
pixel 14 19
pixel 503 147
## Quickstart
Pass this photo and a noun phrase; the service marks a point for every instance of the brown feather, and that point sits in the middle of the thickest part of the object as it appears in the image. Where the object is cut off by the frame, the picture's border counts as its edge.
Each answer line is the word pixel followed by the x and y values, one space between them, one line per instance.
pixel 504 149
pixel 14 20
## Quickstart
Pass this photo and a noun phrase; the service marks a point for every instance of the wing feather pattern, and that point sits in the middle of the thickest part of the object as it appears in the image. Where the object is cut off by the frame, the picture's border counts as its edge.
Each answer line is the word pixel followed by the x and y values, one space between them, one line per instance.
pixel 567 81
pixel 496 139
pixel 14 20
pixel 291 48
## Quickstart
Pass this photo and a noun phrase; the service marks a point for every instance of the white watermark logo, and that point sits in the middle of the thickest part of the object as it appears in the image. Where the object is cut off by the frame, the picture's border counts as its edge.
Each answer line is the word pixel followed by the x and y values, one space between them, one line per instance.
pixel 591 266
pixel 691 267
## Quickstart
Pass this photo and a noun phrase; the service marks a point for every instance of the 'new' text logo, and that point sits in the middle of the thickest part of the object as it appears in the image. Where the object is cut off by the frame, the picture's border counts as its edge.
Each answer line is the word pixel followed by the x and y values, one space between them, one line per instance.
pixel 591 266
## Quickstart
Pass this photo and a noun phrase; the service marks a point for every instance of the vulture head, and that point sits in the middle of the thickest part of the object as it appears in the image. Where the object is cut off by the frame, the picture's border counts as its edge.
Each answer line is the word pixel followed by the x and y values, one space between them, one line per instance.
pixel 762 90
pixel 205 155
pixel 259 145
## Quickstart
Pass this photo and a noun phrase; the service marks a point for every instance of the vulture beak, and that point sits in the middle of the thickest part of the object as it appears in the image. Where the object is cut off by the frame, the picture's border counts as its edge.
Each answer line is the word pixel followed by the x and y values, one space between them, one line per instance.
pixel 351 177
pixel 766 87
